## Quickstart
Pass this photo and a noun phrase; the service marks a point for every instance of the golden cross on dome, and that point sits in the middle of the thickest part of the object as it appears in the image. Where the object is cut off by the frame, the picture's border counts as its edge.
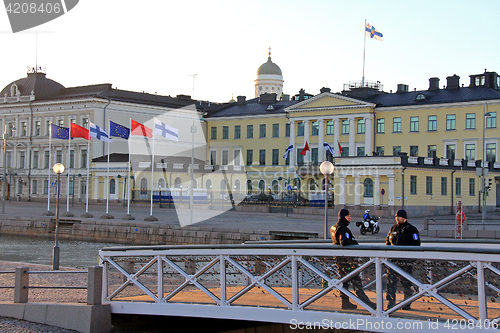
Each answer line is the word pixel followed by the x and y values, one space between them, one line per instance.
pixel 269 52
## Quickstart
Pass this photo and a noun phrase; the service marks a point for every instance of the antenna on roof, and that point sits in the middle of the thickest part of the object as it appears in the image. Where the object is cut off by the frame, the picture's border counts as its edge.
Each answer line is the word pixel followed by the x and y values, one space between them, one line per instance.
pixel 36 51
pixel 193 75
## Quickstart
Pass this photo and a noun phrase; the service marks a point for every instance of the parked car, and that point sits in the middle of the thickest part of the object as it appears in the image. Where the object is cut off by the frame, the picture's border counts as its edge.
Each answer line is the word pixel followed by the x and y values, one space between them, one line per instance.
pixel 260 197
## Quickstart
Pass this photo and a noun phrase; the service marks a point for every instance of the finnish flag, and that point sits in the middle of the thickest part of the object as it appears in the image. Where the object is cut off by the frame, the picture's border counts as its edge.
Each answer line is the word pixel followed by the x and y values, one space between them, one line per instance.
pixel 166 131
pixel 329 148
pixel 289 149
pixel 98 133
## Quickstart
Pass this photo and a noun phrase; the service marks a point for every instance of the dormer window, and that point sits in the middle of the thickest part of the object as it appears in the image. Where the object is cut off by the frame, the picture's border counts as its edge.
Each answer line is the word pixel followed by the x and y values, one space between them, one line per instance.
pixel 420 97
pixel 479 80
pixel 14 90
pixel 270 107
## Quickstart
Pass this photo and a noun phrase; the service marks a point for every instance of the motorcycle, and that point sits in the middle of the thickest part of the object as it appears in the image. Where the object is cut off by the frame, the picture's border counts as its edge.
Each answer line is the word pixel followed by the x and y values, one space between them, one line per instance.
pixel 370 225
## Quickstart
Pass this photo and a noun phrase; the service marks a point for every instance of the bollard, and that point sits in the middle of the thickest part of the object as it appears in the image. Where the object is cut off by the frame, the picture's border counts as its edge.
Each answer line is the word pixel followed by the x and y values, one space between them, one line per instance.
pixel 21 285
pixel 94 285
pixel 426 223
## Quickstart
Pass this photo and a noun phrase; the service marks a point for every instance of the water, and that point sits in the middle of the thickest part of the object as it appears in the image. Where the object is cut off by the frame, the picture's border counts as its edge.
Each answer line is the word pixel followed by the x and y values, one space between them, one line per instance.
pixel 37 250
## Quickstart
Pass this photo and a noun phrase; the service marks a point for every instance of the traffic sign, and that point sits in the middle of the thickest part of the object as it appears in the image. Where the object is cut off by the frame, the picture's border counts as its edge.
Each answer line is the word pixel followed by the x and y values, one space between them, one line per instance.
pixel 382 192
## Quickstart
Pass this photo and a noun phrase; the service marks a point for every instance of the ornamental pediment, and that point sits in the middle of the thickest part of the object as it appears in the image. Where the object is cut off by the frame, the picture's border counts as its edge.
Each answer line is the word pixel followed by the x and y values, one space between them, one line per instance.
pixel 329 101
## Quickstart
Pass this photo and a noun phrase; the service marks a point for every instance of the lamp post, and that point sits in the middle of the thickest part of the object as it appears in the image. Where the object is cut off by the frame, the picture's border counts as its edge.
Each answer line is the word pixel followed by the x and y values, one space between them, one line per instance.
pixel 159 196
pixel 58 169
pixel 483 173
pixel 326 169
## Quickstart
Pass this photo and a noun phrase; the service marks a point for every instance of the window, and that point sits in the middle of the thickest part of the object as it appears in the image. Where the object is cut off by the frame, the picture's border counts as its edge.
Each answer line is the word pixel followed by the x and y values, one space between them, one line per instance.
pixel 60 122
pixel 428 185
pixel 368 188
pixel 237 132
pixel 20 186
pixel 345 126
pixel 450 122
pixel 225 132
pixel 10 129
pixel 58 157
pixel 444 186
pixel 249 156
pixel 83 159
pixel 491 121
pixel 249 131
pixel 314 156
pixel 470 151
pixel 34 186
pixel 413 184
pixel 314 128
pixel 112 187
pixel 46 161
pixel 360 151
pixel 470 121
pixel 432 123
pixel 381 125
pixel 396 150
pixel 275 187
pixel 275 157
pixel 431 151
pixel 262 157
pixel 8 159
pixel 35 160
pixel 458 186
pixel 276 130
pixel 213 157
pixel 300 129
pixel 237 157
pixel 472 187
pixel 262 131
pixel 450 151
pixel 379 150
pixel 213 133
pixel 72 121
pixel 300 159
pixel 413 150
pixel 71 159
pixel 287 130
pixel 46 186
pixel 361 126
pixel 491 152
pixel 22 158
pixel 38 126
pixel 85 123
pixel 413 124
pixel 24 129
pixel 225 157
pixel 345 152
pixel 262 185
pixel 47 128
pixel 396 125
pixel 249 186
pixel 329 127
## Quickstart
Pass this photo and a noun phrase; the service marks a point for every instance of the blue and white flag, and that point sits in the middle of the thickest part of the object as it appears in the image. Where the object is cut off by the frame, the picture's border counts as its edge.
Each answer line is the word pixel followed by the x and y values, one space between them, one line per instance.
pixel 288 150
pixel 371 32
pixel 98 133
pixel 166 131
pixel 328 147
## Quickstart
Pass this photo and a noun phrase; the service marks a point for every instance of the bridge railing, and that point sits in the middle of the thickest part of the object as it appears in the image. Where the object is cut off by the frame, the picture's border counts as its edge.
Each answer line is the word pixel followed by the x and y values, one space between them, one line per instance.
pixel 451 283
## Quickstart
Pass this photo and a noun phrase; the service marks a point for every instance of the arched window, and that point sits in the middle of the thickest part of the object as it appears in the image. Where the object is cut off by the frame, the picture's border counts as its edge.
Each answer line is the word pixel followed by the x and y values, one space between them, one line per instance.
pixel 223 185
pixel 177 182
pixel 112 186
pixel 312 185
pixel 237 185
pixel 249 186
pixel 262 185
pixel 275 186
pixel 208 184
pixel 195 183
pixel 161 183
pixel 144 186
pixel 368 185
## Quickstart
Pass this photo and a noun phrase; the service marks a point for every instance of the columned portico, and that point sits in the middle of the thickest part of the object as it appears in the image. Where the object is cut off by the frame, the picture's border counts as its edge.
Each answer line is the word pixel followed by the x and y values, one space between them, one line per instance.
pixel 368 136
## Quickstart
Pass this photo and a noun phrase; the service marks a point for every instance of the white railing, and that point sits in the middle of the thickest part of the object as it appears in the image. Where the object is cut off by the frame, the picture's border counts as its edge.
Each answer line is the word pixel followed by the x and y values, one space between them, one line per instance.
pixel 299 283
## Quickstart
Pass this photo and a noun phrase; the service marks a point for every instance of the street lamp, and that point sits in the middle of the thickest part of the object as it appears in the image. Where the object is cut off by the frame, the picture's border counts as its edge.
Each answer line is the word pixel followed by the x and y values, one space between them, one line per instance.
pixel 486 115
pixel 58 169
pixel 326 169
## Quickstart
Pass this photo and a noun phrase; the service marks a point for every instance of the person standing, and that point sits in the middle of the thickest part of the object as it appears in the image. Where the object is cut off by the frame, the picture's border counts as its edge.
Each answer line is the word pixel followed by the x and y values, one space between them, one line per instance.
pixel 401 233
pixel 342 235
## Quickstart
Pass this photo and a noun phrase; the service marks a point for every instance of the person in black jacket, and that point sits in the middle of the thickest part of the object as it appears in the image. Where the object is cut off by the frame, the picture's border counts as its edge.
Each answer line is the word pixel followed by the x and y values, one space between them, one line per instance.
pixel 342 235
pixel 401 233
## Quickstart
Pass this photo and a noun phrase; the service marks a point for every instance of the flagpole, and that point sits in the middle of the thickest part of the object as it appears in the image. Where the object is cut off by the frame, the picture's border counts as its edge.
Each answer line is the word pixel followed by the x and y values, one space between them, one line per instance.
pixel 128 184
pixel 364 48
pixel 152 166
pixel 107 175
pixel 50 167
pixel 87 185
pixel 69 167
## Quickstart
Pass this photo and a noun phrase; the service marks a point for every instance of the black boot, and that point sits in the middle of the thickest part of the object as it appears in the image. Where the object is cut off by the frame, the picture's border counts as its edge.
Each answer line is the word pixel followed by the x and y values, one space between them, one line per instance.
pixel 347 305
pixel 362 296
pixel 391 304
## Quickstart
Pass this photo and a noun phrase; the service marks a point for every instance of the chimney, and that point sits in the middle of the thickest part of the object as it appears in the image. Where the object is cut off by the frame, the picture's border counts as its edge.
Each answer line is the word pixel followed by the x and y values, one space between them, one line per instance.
pixel 453 82
pixel 324 89
pixel 402 88
pixel 285 97
pixel 434 83
pixel 241 100
pixel 268 98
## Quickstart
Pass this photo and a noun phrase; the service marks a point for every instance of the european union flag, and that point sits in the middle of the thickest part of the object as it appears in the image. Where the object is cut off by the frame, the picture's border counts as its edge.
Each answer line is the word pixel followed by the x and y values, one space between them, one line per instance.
pixel 118 130
pixel 59 132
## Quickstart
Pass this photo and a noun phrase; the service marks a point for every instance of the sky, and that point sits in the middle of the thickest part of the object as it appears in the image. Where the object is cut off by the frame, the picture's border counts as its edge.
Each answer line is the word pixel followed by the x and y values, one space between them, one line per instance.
pixel 156 46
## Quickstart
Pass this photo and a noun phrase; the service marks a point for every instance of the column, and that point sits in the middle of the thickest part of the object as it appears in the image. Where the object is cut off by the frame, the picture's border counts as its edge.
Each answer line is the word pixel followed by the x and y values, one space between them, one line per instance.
pixel 292 154
pixel 95 191
pixel 368 136
pixel 352 137
pixel 336 136
pixel 307 158
pixel 376 191
pixel 390 196
pixel 357 191
pixel 321 138
pixel 343 190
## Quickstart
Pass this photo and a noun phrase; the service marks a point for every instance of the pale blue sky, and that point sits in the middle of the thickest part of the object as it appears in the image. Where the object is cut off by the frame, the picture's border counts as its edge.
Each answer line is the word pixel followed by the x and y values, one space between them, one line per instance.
pixel 154 46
